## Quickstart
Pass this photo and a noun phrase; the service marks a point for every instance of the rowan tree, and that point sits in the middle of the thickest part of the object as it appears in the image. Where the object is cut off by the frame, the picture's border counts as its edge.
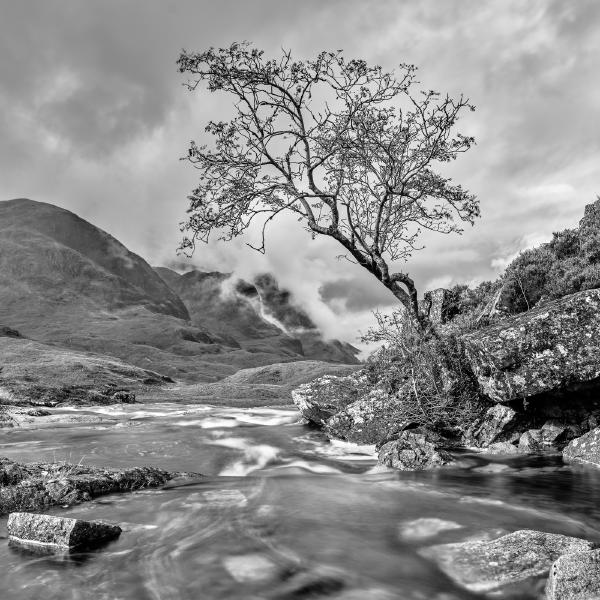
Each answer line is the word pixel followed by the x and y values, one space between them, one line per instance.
pixel 348 148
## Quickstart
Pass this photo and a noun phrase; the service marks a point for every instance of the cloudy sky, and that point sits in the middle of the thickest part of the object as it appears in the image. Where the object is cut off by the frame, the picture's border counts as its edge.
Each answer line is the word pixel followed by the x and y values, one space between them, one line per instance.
pixel 93 117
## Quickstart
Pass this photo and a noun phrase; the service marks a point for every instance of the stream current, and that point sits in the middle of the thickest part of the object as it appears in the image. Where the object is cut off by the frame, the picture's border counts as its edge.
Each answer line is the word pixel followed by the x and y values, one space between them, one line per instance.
pixel 282 512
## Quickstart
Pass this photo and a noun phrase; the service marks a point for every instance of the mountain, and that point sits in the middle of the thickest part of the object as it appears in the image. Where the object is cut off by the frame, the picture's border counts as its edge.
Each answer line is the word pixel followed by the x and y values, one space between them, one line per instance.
pixel 65 283
pixel 258 315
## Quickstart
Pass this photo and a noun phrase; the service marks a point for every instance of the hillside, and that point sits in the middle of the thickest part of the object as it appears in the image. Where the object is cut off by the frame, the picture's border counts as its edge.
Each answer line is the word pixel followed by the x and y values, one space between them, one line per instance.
pixel 66 283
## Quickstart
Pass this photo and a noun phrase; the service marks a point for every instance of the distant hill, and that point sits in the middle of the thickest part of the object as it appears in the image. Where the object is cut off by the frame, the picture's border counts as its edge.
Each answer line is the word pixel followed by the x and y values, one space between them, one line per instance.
pixel 68 284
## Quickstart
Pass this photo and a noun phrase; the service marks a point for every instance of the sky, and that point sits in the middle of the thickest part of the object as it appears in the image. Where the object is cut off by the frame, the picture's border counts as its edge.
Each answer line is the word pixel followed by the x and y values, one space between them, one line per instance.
pixel 94 118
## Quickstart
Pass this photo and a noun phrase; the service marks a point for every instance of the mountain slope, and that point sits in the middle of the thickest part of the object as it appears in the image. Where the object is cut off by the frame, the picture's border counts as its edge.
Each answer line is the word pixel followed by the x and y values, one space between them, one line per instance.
pixel 66 283
pixel 258 315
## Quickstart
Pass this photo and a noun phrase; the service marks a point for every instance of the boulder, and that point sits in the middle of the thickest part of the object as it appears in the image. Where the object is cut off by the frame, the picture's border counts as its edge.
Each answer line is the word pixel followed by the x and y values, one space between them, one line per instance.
pixel 496 425
pixel 575 576
pixel 555 433
pixel 482 566
pixel 530 442
pixel 551 348
pixel 370 420
pixel 413 451
pixel 585 449
pixel 502 448
pixel 322 398
pixel 61 532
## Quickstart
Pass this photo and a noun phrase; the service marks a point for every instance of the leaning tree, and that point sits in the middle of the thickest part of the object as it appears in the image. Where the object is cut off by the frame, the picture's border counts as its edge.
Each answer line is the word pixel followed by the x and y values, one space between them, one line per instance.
pixel 348 148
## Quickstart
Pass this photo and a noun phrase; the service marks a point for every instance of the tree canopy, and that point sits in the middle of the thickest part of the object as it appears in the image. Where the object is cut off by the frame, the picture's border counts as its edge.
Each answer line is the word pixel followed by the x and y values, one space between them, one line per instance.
pixel 348 148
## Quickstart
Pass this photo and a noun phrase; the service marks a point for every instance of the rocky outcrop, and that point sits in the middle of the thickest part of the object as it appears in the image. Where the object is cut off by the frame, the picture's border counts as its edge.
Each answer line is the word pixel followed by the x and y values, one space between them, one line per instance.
pixel 585 449
pixel 60 532
pixel 551 348
pixel 488 565
pixel 413 451
pixel 37 485
pixel 575 576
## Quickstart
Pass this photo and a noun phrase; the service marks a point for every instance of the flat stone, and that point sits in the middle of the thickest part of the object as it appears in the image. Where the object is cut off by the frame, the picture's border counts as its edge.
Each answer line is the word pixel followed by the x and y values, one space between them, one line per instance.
pixel 575 576
pixel 61 532
pixel 584 449
pixel 487 565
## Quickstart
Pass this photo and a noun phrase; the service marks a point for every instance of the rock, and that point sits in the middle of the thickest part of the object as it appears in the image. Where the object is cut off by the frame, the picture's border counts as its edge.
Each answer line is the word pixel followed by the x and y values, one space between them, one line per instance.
pixel 555 433
pixel 550 348
pixel 312 583
pixel 575 576
pixel 421 529
pixel 413 451
pixel 436 305
pixel 124 396
pixel 322 398
pixel 530 442
pixel 369 420
pixel 9 332
pixel 37 485
pixel 61 532
pixel 481 566
pixel 495 425
pixel 502 448
pixel 585 449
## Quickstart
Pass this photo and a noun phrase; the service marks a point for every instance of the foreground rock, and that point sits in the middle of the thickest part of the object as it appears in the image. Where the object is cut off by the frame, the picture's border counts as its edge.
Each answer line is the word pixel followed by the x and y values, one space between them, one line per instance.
pixel 413 451
pixel 378 416
pixel 59 532
pixel 487 565
pixel 575 576
pixel 551 348
pixel 585 449
pixel 38 485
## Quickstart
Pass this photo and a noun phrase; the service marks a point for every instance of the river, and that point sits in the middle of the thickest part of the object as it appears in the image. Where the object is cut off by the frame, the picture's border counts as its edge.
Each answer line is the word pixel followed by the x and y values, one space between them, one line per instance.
pixel 282 513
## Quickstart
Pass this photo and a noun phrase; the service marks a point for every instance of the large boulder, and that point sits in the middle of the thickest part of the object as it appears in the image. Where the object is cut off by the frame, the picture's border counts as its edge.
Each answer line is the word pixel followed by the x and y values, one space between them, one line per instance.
pixel 482 566
pixel 413 451
pixel 575 576
pixel 61 532
pixel 324 397
pixel 552 348
pixel 370 420
pixel 585 449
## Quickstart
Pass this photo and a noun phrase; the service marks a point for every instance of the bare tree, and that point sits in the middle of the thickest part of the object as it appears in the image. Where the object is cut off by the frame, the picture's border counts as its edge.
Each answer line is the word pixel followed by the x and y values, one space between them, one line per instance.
pixel 345 146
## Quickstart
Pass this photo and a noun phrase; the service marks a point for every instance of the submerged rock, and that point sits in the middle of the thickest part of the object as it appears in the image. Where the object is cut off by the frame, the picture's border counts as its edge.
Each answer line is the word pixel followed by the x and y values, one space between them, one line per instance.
pixel 575 576
pixel 487 565
pixel 61 532
pixel 421 529
pixel 585 449
pixel 413 451
pixel 550 348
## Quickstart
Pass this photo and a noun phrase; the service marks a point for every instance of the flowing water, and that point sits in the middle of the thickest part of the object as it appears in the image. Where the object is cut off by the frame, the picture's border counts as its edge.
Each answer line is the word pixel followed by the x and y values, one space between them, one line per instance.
pixel 281 513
